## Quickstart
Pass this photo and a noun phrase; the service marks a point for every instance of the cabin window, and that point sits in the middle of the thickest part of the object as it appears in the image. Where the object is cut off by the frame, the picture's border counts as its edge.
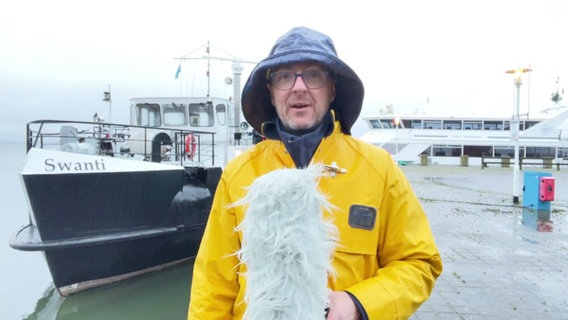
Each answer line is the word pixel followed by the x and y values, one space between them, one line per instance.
pixel 529 124
pixel 508 151
pixel 432 124
pixel 447 150
pixel 472 125
pixel 201 114
pixel 478 151
pixel 493 125
pixel 387 123
pixel 416 124
pixel 506 125
pixel 375 124
pixel 452 124
pixel 148 115
pixel 563 153
pixel 541 152
pixel 221 110
pixel 175 115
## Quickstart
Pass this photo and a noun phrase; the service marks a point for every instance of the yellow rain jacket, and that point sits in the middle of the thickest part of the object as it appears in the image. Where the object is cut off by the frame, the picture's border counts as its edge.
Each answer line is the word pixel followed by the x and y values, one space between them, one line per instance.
pixel 386 255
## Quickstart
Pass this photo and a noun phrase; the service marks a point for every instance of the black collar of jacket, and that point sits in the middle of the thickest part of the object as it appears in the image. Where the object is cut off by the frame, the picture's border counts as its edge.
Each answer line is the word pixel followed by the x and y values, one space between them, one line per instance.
pixel 270 129
pixel 302 147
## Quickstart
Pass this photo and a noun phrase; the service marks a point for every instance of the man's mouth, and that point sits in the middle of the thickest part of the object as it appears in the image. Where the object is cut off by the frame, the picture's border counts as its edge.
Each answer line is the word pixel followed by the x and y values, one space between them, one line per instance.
pixel 299 105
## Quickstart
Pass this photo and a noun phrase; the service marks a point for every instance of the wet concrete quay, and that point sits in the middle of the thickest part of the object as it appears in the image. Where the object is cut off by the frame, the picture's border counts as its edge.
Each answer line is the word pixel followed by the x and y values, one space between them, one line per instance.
pixel 496 266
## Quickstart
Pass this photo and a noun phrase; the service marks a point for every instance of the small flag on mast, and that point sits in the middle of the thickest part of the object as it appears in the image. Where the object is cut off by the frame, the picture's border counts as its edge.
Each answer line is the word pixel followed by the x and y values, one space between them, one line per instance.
pixel 178 71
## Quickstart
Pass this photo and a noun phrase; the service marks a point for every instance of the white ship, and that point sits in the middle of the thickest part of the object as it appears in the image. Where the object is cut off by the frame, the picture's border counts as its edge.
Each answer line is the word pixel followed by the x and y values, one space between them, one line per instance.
pixel 444 140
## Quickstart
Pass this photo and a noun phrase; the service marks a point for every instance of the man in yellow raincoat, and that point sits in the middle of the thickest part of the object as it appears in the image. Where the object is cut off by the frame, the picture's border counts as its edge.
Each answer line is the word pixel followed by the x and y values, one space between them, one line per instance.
pixel 304 100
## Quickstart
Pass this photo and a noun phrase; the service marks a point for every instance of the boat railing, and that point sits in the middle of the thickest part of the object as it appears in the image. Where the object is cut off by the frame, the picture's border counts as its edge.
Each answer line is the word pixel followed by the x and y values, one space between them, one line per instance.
pixel 122 140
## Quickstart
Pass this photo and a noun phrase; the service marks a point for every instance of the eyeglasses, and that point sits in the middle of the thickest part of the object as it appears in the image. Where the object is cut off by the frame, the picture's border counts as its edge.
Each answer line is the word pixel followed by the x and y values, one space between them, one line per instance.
pixel 285 80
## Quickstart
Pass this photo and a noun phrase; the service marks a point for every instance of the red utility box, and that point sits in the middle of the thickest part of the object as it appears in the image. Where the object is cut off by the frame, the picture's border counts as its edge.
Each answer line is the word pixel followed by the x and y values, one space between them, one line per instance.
pixel 546 189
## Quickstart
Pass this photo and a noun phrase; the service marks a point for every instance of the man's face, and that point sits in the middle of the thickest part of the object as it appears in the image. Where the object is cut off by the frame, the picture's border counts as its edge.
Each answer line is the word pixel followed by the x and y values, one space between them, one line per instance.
pixel 301 101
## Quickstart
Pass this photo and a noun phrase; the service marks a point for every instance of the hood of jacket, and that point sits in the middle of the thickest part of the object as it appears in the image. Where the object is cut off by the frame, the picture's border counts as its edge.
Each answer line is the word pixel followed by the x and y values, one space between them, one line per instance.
pixel 298 45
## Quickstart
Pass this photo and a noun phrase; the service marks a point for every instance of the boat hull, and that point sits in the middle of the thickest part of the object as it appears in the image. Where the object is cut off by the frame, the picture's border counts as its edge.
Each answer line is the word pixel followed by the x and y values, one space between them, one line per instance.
pixel 81 268
pixel 99 226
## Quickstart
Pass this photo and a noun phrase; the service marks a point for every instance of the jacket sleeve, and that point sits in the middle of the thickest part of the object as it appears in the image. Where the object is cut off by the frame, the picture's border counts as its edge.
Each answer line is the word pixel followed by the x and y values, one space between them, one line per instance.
pixel 214 285
pixel 408 257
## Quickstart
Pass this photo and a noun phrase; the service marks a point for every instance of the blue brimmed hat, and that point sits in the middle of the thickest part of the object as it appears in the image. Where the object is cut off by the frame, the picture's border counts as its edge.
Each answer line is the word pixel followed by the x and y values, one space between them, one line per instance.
pixel 297 45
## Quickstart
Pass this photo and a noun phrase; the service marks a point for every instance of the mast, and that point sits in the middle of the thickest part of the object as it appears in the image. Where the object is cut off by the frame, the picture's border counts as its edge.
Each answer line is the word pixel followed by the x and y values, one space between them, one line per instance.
pixel 237 68
pixel 237 72
pixel 208 51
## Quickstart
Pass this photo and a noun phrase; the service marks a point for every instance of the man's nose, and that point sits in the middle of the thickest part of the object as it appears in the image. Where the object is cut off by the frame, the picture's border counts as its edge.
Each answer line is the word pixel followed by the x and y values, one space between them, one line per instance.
pixel 299 83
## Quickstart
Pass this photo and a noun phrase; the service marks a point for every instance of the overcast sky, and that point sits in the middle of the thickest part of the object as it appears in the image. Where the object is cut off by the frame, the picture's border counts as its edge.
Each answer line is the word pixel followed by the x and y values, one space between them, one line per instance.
pixel 57 57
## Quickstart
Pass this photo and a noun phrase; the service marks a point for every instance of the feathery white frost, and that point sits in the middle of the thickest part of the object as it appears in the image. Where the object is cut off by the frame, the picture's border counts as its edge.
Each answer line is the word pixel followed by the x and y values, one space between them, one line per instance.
pixel 287 245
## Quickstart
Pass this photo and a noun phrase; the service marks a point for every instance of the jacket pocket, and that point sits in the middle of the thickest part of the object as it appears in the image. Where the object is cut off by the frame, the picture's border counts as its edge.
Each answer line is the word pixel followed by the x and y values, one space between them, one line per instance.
pixel 359 231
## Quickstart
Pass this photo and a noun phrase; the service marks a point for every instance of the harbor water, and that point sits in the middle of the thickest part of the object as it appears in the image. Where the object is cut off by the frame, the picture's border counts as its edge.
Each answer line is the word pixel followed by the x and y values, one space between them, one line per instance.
pixel 495 265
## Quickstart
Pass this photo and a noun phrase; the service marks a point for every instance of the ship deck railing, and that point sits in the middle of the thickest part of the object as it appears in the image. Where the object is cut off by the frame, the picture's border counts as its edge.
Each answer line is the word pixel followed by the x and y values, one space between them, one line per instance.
pixel 112 139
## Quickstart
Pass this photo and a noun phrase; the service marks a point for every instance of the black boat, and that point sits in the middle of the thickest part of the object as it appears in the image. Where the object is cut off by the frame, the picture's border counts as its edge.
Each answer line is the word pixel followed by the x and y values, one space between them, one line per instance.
pixel 104 217
pixel 111 201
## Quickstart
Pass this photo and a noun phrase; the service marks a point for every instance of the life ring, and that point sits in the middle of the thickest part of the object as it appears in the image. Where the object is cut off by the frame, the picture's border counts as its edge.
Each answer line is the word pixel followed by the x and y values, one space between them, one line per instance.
pixel 190 146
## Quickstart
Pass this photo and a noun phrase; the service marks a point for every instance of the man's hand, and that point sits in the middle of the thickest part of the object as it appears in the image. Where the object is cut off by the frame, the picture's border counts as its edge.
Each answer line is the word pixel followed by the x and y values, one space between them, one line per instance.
pixel 342 307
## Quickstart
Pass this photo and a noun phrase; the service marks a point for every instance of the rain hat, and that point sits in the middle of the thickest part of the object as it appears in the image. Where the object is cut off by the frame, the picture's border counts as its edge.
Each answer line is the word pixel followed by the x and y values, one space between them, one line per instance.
pixel 298 45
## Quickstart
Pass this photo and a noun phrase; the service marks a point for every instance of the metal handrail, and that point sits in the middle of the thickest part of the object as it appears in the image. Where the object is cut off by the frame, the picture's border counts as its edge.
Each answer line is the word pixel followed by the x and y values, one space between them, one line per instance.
pixel 115 139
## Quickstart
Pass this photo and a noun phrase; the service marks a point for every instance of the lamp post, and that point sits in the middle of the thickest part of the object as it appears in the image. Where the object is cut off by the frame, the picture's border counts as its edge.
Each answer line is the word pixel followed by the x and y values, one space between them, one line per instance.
pixel 106 98
pixel 517 73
